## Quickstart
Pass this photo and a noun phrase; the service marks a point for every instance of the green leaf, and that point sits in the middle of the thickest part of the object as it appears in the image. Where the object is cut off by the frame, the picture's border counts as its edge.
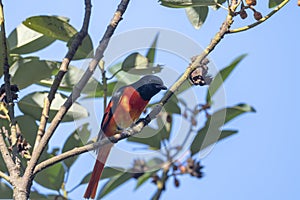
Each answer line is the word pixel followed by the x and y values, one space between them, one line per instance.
pixel 233 112
pixel 164 127
pixel 122 76
pixel 32 105
pixel 99 91
pixel 6 191
pixel 55 197
pixel 273 3
pixel 142 179
pixel 23 40
pixel 3 167
pixel 36 195
pixel 26 71
pixel 71 79
pixel 109 172
pixel 51 26
pixel 152 50
pixel 187 3
pixel 185 86
pixel 86 178
pixel 113 183
pixel 1 53
pixel 148 70
pixel 138 64
pixel 205 138
pixel 172 106
pixel 197 15
pixel 211 132
pixel 152 136
pixel 149 136
pixel 134 60
pixel 153 165
pixel 28 128
pixel 77 139
pixel 85 50
pixel 51 177
pixel 221 76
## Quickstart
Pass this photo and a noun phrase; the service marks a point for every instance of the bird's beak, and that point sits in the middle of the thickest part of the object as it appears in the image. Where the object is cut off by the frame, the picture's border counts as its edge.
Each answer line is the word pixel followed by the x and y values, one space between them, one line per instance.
pixel 162 87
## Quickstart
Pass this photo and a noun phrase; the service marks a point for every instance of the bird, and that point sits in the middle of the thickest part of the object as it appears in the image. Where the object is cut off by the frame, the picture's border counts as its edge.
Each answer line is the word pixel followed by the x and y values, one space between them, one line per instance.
pixel 124 108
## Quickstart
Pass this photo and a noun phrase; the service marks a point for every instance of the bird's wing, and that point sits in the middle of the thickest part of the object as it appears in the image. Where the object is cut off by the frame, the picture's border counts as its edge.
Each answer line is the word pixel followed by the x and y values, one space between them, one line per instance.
pixel 111 107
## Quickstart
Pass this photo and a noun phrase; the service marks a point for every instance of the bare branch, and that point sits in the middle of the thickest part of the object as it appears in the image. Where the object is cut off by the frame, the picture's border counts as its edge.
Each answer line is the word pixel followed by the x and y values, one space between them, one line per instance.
pixel 62 70
pixel 80 150
pixel 78 88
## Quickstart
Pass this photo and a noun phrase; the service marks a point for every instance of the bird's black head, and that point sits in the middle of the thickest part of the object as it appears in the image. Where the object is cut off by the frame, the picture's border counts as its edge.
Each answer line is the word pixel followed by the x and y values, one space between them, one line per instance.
pixel 148 86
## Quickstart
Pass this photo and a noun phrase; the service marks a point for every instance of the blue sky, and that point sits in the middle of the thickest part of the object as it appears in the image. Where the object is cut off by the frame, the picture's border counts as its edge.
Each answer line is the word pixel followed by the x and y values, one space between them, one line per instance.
pixel 261 161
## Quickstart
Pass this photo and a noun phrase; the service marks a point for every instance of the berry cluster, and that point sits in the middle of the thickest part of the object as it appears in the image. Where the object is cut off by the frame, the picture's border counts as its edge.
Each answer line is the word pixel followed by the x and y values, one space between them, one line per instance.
pixel 192 167
pixel 250 5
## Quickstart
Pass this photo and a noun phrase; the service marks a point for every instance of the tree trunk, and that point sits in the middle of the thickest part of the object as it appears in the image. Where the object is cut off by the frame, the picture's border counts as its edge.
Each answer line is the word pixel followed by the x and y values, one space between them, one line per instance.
pixel 21 189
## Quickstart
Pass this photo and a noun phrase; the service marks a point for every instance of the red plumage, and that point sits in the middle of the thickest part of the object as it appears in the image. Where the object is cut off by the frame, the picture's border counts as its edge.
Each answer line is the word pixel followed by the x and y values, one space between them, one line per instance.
pixel 124 108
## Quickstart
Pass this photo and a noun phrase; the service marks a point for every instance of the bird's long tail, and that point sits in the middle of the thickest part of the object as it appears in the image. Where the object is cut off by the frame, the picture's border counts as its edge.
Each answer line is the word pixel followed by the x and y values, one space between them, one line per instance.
pixel 97 171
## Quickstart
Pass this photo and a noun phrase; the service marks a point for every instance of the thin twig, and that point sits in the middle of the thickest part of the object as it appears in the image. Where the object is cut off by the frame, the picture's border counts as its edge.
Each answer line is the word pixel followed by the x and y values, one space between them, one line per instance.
pixel 114 74
pixel 62 70
pixel 162 186
pixel 169 158
pixel 78 87
pixel 283 3
pixel 184 141
pixel 104 83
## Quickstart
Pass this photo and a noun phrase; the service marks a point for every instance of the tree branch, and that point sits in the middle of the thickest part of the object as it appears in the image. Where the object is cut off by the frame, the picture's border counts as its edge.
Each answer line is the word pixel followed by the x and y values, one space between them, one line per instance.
pixel 6 67
pixel 62 70
pixel 10 103
pixel 137 128
pixel 283 3
pixel 6 156
pixel 78 87
pixel 76 151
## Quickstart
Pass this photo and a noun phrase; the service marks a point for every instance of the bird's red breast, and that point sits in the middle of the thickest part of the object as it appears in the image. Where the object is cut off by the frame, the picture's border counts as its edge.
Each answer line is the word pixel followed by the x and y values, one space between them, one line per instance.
pixel 121 112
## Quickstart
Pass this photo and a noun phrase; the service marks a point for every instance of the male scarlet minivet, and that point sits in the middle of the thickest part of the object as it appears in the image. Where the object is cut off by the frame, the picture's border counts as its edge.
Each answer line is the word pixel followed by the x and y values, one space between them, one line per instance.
pixel 124 108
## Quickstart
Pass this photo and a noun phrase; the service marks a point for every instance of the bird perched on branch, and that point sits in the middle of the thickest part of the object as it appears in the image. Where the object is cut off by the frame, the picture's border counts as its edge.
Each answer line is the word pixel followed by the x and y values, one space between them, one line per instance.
pixel 124 108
